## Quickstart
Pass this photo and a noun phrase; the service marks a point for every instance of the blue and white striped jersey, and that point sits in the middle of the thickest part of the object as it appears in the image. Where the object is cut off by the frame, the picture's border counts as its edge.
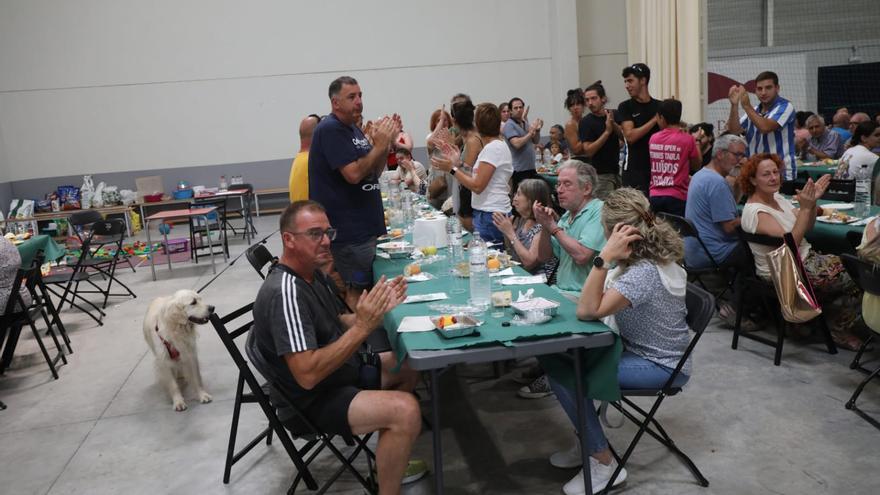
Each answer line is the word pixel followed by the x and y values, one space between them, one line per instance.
pixel 780 141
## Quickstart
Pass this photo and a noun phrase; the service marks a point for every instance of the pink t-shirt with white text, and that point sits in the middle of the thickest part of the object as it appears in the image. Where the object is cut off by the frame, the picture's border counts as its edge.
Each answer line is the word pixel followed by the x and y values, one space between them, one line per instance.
pixel 671 150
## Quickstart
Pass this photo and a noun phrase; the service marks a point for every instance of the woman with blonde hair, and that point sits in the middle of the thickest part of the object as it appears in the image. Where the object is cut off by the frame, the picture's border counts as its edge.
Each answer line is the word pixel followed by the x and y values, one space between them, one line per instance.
pixel 643 298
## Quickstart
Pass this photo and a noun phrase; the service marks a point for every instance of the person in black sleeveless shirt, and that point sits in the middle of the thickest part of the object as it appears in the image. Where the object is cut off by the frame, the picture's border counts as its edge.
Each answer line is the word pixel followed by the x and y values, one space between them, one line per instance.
pixel 638 121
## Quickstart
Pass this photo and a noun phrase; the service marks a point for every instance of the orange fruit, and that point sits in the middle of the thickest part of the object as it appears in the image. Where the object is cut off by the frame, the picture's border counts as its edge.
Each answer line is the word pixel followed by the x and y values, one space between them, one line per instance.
pixel 412 269
pixel 493 264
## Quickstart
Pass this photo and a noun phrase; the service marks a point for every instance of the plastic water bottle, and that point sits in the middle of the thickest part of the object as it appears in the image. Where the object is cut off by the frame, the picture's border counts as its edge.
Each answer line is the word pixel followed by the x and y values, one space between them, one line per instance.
pixel 453 240
pixel 394 194
pixel 223 184
pixel 863 191
pixel 408 213
pixel 481 290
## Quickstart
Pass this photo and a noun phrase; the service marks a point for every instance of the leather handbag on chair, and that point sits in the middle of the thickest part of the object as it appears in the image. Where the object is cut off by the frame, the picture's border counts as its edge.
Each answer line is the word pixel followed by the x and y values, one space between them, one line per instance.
pixel 796 296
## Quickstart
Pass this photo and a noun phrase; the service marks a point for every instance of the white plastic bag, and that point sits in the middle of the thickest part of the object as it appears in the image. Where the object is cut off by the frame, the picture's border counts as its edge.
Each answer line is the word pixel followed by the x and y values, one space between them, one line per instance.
pixel 87 192
pixel 128 196
pixel 110 196
pixel 98 197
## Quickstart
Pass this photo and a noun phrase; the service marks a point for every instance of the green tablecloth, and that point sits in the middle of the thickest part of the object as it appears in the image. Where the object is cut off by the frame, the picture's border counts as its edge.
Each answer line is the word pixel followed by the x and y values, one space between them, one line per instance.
pixel 28 249
pixel 600 364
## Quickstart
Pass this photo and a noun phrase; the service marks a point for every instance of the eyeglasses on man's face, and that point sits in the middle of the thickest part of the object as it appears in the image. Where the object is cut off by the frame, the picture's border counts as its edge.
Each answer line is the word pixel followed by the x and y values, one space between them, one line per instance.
pixel 738 155
pixel 315 235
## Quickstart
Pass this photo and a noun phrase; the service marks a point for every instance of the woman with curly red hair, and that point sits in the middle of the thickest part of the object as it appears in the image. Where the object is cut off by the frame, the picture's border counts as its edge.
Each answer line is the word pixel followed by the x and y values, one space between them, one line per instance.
pixel 770 213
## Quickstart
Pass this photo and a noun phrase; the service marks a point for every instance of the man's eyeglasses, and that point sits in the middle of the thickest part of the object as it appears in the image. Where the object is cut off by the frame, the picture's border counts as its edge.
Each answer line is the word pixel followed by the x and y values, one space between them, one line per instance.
pixel 316 235
pixel 739 156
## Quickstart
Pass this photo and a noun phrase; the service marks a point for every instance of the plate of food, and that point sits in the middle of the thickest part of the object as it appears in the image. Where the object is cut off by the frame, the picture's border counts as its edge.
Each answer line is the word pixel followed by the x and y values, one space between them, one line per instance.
pixel 837 217
pixel 394 245
pixel 453 326
pixel 392 235
pixel 837 206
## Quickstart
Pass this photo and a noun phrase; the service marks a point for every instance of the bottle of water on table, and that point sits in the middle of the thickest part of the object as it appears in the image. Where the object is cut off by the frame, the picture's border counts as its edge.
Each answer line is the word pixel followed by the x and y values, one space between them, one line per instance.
pixel 481 291
pixel 863 191
pixel 454 251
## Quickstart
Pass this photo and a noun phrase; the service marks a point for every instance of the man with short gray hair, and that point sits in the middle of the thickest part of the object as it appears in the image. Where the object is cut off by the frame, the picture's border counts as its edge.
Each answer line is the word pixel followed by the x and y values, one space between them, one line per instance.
pixel 578 236
pixel 711 206
pixel 822 144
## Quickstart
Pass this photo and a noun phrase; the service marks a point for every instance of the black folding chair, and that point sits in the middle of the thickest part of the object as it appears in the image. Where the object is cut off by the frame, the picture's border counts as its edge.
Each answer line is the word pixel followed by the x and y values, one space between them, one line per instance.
pixel 259 256
pixel 700 308
pixel 727 273
pixel 841 190
pixel 854 238
pixel 82 222
pixel 19 312
pixel 867 276
pixel 790 187
pixel 749 283
pixel 106 235
pixel 70 279
pixel 316 440
pixel 216 223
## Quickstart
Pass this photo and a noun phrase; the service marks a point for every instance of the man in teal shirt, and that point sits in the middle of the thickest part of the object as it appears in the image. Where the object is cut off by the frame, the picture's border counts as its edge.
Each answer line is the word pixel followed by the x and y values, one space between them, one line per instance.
pixel 578 236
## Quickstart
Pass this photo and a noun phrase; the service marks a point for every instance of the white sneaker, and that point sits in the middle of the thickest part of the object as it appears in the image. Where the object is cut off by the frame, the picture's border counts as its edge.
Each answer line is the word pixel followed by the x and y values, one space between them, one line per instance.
pixel 567 459
pixel 599 474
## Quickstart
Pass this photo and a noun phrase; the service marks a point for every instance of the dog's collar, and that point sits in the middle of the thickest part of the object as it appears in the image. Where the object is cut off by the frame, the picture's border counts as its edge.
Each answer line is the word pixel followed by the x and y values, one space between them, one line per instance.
pixel 173 353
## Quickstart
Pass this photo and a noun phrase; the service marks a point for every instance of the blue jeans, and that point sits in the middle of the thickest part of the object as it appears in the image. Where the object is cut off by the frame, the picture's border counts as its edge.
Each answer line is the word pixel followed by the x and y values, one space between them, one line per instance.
pixel 633 372
pixel 488 231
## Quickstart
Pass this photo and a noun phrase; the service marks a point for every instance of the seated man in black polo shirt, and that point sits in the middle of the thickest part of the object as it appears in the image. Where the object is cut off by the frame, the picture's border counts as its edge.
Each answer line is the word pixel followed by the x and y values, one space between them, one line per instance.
pixel 301 343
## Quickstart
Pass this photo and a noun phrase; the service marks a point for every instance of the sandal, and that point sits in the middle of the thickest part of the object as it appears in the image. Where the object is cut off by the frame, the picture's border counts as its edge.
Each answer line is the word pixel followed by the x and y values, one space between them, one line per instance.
pixel 728 316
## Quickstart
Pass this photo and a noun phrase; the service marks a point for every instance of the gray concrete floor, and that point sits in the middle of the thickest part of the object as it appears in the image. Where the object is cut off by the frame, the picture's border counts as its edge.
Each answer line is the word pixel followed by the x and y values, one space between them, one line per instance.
pixel 106 427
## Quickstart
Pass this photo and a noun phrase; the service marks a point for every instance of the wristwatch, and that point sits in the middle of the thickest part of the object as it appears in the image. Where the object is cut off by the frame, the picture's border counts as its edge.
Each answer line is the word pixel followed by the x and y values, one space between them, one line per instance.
pixel 453 171
pixel 598 262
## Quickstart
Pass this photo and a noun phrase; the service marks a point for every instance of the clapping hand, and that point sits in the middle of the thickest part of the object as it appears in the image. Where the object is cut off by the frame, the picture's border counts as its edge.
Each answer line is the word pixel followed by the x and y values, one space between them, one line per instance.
pixel 384 132
pixel 544 215
pixel 734 94
pixel 744 98
pixel 502 222
pixel 450 156
pixel 619 245
pixel 812 191
pixel 383 297
pixel 610 124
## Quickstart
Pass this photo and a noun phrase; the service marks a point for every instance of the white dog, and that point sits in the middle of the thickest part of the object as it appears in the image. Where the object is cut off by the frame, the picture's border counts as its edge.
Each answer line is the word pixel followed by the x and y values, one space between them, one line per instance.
pixel 170 331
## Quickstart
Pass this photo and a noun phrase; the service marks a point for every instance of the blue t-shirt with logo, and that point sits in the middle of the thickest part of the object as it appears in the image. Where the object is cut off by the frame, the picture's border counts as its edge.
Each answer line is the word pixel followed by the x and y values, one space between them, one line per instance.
pixel 355 210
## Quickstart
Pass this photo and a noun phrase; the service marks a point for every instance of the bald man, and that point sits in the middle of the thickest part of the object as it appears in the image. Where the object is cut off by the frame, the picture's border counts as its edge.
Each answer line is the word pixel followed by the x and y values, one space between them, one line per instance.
pixel 841 125
pixel 299 170
pixel 857 119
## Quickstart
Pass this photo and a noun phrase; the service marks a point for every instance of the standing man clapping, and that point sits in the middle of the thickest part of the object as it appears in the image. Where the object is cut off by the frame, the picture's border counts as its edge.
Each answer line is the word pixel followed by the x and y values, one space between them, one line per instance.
pixel 344 171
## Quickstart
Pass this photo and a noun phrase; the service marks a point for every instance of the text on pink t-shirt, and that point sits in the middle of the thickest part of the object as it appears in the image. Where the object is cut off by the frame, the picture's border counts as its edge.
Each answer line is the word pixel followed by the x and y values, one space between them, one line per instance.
pixel 671 150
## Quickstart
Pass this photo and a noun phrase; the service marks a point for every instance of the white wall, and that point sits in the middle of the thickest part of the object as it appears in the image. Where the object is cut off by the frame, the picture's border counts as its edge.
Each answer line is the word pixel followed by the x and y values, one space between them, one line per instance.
pixel 602 52
pixel 120 85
